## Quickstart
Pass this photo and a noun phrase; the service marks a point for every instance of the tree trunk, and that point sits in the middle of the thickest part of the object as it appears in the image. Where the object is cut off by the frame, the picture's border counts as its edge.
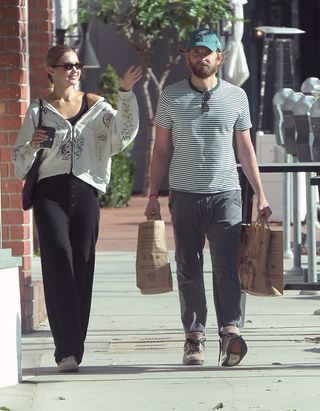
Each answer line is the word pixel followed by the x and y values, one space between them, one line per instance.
pixel 151 130
pixel 151 135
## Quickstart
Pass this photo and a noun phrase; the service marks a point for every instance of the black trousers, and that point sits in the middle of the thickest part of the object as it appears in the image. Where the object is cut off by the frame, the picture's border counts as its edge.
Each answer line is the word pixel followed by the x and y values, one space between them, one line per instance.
pixel 66 212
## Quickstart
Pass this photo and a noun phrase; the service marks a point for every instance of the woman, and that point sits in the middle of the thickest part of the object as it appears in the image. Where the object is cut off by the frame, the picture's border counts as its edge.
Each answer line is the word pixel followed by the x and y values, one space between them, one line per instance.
pixel 87 132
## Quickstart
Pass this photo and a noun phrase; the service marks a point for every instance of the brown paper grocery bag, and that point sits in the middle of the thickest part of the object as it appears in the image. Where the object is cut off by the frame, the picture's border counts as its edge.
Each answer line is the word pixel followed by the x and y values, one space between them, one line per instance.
pixel 274 269
pixel 260 260
pixel 153 272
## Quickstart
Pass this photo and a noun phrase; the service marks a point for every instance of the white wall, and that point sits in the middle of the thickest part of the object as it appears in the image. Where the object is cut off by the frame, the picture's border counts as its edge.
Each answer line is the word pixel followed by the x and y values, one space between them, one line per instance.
pixel 10 323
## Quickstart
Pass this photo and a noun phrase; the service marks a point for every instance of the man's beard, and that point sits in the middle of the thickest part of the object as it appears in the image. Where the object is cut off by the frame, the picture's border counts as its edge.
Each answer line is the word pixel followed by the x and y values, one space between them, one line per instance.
pixel 203 71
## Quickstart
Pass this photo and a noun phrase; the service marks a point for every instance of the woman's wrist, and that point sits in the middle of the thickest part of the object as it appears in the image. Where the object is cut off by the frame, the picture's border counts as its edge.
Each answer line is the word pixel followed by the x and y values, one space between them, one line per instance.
pixel 153 195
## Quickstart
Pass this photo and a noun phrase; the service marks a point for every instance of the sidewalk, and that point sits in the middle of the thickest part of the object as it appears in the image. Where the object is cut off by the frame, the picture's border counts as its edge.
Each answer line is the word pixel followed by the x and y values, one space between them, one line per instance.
pixel 134 348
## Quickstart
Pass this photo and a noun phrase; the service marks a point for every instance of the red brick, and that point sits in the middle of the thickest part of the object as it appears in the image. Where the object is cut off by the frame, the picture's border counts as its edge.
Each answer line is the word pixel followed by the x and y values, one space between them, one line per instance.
pixel 26 262
pixel 40 48
pixel 15 76
pixel 3 43
pixel 5 231
pixel 2 75
pixel 24 92
pixel 36 64
pixel 3 108
pixel 11 172
pixel 11 60
pixel 3 139
pixel 12 137
pixel 15 201
pixel 14 13
pixel 11 185
pixel 17 107
pixel 4 170
pixel 18 247
pixel 26 290
pixel 9 29
pixel 5 154
pixel 16 44
pixel 13 217
pixel 6 3
pixel 10 122
pixel 25 280
pixel 20 232
pixel 12 92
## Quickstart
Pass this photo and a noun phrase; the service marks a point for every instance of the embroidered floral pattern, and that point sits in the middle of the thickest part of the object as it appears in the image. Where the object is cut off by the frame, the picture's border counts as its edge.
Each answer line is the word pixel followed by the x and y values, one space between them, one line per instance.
pixel 65 149
pixel 128 123
pixel 107 119
pixel 78 146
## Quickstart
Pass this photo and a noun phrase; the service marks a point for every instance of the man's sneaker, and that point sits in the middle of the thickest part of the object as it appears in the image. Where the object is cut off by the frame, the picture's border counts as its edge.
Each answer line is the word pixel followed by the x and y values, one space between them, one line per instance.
pixel 194 349
pixel 68 364
pixel 232 349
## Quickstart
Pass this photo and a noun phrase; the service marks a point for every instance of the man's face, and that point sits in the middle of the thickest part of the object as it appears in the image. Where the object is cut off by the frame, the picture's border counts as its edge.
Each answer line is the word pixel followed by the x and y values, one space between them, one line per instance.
pixel 203 62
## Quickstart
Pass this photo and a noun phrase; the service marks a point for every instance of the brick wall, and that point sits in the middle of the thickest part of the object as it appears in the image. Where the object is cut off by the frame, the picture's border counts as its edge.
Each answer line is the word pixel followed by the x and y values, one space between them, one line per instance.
pixel 17 224
pixel 41 30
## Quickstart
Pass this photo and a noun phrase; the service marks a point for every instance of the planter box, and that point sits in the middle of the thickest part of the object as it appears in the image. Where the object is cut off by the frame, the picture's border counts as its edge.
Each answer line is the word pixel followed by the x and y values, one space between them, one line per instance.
pixel 10 320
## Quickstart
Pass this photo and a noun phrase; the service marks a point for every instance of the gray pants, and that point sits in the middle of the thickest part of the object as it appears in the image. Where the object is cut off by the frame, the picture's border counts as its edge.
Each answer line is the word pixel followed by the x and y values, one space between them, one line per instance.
pixel 217 217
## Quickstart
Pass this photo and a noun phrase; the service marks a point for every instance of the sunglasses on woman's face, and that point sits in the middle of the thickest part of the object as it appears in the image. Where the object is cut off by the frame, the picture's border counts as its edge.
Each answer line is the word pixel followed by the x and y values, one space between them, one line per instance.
pixel 69 66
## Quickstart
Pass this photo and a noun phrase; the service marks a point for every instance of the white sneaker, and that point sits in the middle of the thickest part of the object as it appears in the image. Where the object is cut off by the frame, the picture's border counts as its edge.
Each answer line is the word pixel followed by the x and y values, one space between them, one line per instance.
pixel 194 349
pixel 68 364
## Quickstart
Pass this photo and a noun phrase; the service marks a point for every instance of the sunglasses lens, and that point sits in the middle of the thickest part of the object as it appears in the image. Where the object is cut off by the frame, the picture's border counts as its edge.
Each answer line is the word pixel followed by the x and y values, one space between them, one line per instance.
pixel 205 107
pixel 69 66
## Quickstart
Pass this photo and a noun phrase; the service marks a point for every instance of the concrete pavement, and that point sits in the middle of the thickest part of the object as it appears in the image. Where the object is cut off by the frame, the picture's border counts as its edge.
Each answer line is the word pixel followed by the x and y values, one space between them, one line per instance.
pixel 134 349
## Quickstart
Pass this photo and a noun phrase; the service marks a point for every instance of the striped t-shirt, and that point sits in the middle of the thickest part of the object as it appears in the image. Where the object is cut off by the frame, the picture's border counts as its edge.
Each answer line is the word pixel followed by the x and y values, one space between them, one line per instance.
pixel 203 159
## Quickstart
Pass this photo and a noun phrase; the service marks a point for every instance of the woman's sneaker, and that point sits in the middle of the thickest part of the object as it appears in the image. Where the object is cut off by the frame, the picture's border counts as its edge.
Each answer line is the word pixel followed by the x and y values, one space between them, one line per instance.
pixel 194 349
pixel 232 349
pixel 68 364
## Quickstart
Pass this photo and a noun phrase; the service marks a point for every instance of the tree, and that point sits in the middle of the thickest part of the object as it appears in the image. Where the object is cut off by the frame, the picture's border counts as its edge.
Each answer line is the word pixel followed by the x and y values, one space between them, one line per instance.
pixel 147 22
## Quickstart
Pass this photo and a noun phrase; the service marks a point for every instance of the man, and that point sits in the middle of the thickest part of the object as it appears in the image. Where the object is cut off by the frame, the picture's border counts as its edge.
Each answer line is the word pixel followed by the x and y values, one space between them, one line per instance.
pixel 201 118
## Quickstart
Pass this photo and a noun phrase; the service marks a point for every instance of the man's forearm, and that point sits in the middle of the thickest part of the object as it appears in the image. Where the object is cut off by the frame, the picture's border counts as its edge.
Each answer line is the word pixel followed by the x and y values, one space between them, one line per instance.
pixel 159 166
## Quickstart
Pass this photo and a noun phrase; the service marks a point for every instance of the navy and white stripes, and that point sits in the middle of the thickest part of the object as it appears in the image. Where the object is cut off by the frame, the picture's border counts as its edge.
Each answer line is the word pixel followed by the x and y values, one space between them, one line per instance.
pixel 203 158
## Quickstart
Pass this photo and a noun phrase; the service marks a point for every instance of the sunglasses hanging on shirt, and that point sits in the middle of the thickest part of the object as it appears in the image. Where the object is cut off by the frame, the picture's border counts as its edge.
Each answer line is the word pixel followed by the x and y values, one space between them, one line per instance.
pixel 205 98
pixel 206 95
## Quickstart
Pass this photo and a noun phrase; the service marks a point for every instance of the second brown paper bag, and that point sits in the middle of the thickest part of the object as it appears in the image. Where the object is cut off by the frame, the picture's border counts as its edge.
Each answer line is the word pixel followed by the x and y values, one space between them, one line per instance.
pixel 153 272
pixel 260 260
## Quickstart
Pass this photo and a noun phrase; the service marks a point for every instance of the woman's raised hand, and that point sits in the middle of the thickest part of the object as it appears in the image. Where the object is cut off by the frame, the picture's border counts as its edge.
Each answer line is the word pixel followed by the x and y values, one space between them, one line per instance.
pixel 130 78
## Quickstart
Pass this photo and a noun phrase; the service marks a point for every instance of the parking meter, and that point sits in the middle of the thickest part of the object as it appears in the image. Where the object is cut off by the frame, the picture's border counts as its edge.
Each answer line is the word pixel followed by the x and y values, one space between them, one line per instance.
pixel 315 124
pixel 304 136
pixel 277 103
pixel 309 85
pixel 289 124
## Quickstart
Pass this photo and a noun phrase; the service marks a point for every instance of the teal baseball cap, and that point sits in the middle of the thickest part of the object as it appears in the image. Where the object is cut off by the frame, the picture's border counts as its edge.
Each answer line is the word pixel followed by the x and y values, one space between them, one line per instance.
pixel 205 38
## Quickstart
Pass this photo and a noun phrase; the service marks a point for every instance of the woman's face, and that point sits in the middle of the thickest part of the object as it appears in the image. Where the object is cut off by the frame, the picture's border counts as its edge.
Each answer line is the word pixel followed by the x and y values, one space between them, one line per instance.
pixel 67 70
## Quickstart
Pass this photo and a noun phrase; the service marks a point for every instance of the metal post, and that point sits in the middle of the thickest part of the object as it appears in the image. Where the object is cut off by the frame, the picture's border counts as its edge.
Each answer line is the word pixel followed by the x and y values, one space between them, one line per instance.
pixel 287 201
pixel 311 228
pixel 297 269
